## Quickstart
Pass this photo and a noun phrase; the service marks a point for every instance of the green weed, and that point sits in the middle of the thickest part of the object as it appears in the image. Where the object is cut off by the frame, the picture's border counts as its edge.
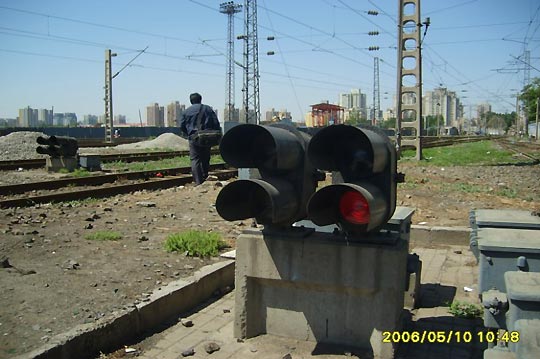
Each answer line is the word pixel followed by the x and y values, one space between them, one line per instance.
pixel 182 161
pixel 465 310
pixel 103 236
pixel 195 243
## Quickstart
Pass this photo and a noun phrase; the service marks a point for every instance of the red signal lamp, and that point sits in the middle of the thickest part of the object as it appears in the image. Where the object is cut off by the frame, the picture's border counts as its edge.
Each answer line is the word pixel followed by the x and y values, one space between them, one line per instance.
pixel 354 208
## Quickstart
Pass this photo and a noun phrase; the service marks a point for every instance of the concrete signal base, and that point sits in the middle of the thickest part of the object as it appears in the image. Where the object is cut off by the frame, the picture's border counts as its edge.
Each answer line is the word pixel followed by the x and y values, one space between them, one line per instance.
pixel 55 164
pixel 318 287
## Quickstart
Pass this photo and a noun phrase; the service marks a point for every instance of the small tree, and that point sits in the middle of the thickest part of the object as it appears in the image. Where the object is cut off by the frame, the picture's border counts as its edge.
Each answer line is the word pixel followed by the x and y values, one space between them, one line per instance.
pixel 529 96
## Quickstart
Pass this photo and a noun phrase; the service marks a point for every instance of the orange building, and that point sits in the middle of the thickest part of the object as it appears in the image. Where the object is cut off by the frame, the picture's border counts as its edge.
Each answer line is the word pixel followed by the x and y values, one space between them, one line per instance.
pixel 324 114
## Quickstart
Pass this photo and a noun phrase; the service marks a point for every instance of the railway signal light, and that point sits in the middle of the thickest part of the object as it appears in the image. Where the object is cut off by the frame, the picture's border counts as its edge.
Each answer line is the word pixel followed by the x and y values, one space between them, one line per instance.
pixel 287 179
pixel 363 195
pixel 57 146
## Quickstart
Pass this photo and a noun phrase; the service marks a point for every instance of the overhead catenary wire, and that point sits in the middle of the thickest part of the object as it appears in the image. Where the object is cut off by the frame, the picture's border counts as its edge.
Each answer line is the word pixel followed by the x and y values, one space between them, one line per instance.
pixel 338 52
pixel 285 65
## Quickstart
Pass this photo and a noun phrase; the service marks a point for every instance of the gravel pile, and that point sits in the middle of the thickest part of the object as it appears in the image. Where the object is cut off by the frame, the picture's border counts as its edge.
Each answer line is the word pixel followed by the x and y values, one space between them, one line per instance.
pixel 22 146
pixel 19 146
pixel 165 141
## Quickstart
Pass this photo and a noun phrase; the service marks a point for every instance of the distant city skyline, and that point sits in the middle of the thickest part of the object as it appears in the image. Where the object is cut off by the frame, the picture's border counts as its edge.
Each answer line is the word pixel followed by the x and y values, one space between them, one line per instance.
pixel 52 52
pixel 439 101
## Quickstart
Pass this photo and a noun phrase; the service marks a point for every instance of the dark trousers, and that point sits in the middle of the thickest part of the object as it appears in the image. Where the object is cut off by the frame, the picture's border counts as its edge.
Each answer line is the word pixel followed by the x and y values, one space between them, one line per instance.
pixel 200 162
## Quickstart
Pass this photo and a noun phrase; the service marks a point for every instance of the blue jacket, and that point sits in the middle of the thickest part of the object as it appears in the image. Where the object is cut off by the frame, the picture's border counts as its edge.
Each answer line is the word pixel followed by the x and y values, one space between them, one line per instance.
pixel 188 122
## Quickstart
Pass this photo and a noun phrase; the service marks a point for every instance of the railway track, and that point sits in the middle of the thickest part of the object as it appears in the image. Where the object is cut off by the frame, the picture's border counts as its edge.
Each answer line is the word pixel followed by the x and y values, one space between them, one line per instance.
pixel 125 157
pixel 526 149
pixel 109 185
pixel 427 142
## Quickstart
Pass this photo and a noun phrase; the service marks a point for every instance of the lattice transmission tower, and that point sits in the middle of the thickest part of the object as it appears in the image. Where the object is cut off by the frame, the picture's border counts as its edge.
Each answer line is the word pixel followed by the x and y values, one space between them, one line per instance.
pixel 409 79
pixel 230 8
pixel 251 104
pixel 376 93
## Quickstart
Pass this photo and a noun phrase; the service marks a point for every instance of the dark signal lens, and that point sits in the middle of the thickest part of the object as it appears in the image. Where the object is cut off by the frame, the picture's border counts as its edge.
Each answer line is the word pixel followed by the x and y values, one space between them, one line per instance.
pixel 354 208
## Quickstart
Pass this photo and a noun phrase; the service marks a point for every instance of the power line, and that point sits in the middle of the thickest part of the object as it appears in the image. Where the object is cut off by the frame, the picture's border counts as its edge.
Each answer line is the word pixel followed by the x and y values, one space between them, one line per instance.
pixel 284 64
pixel 49 16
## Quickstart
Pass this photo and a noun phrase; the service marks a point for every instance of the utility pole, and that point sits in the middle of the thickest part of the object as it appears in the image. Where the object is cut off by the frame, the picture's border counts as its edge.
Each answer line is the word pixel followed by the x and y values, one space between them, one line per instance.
pixel 109 126
pixel 251 104
pixel 376 93
pixel 230 8
pixel 409 46
pixel 537 110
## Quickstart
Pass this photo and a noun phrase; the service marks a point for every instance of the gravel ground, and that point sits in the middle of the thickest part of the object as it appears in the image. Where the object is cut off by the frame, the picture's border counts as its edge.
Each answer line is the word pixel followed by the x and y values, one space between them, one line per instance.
pixel 59 279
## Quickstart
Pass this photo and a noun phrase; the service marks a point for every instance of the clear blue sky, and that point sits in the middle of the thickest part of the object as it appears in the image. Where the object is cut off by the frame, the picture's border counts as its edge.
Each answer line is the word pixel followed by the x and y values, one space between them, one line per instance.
pixel 52 52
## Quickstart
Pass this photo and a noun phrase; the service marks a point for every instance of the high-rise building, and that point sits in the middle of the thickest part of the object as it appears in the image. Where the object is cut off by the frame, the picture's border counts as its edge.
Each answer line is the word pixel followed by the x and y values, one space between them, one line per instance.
pixel 45 117
pixel 174 113
pixel 271 114
pixel 355 100
pixel 58 119
pixel 70 119
pixel 482 109
pixel 155 115
pixel 442 102
pixel 119 119
pixel 235 117
pixel 28 117
pixel 90 120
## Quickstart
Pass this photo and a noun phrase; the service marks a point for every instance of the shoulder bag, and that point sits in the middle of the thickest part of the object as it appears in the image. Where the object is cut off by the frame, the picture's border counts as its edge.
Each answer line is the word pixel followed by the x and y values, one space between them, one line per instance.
pixel 205 138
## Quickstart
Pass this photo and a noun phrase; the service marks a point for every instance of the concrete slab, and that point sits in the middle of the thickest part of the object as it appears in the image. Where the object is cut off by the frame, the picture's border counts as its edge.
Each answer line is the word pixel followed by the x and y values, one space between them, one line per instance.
pixel 88 340
pixel 455 265
pixel 445 272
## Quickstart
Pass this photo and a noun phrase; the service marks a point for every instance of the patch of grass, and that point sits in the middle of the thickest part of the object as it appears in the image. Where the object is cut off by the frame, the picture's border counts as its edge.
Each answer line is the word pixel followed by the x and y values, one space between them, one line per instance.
pixel 181 161
pixel 507 192
pixel 77 172
pixel 481 153
pixel 195 243
pixel 103 236
pixel 82 202
pixel 467 188
pixel 465 310
pixel 81 172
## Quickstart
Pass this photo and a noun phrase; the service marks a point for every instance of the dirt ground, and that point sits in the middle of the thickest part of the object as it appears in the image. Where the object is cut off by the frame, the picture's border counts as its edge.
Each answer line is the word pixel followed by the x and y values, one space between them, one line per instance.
pixel 58 279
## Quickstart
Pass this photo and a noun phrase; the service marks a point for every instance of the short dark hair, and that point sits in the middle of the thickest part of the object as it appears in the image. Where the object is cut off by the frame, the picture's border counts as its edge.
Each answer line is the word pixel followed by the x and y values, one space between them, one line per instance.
pixel 195 98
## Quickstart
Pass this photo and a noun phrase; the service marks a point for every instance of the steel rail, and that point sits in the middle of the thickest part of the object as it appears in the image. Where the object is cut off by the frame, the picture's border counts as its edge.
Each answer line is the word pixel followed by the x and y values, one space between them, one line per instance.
pixel 97 179
pixel 508 146
pixel 152 184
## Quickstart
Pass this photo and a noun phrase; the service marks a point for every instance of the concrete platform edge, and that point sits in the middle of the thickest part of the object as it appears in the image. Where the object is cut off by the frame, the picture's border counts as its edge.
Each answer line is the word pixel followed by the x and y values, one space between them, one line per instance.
pixel 87 340
pixel 440 235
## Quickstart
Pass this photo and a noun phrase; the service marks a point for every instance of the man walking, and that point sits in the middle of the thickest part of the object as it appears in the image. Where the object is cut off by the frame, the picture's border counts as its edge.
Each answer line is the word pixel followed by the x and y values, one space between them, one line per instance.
pixel 198 117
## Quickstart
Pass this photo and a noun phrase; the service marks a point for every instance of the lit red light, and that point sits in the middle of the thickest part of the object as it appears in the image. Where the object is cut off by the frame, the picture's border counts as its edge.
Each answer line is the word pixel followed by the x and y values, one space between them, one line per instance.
pixel 354 208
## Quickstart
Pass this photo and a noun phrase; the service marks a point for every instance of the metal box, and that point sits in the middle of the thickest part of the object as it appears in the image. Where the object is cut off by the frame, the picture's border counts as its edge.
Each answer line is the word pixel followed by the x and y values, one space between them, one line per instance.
pixel 528 346
pixel 506 218
pixel 502 250
pixel 523 291
pixel 90 162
